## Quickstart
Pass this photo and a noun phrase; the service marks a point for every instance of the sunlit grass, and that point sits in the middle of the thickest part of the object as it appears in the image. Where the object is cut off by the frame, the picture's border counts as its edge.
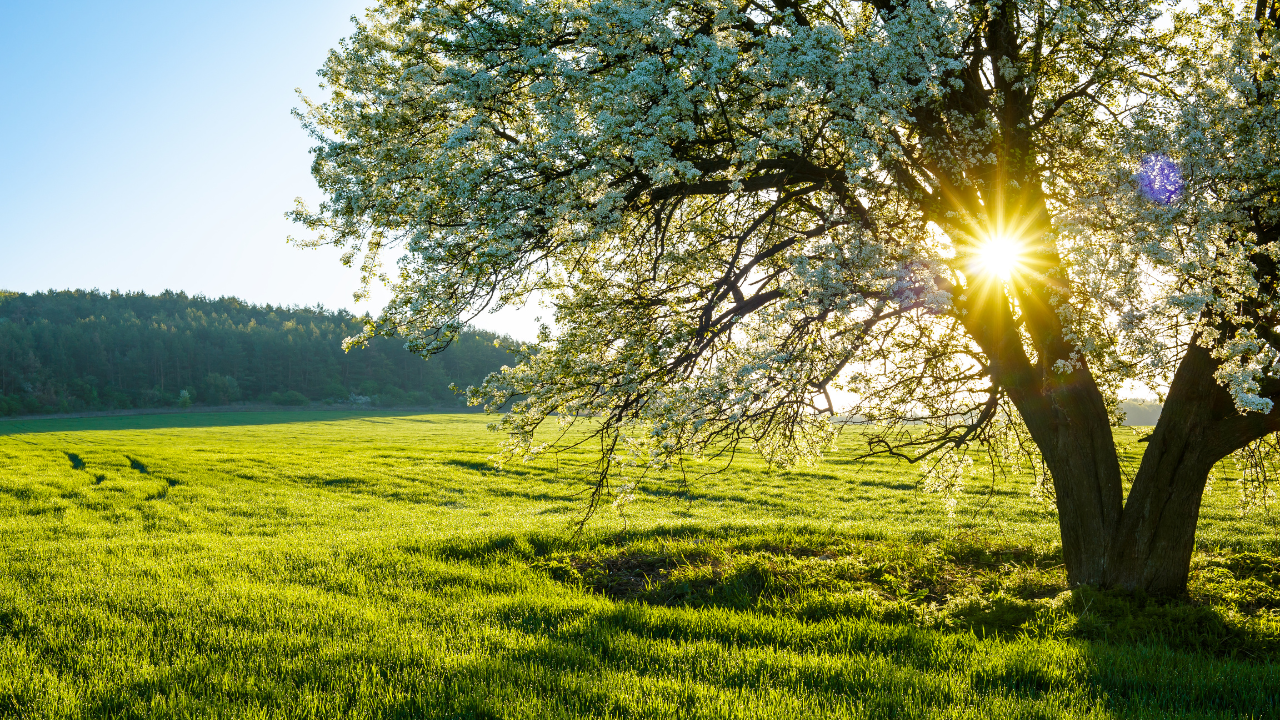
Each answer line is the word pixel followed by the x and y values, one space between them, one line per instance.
pixel 323 565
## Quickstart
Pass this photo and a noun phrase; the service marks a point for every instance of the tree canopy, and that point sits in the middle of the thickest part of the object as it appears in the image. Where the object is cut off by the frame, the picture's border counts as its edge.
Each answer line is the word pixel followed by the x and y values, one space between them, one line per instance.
pixel 978 219
pixel 76 350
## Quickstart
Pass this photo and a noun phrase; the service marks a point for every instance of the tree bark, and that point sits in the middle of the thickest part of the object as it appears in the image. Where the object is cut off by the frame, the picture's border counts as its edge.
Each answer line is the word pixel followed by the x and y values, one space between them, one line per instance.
pixel 1146 543
pixel 1152 550
pixel 1080 454
pixel 1199 425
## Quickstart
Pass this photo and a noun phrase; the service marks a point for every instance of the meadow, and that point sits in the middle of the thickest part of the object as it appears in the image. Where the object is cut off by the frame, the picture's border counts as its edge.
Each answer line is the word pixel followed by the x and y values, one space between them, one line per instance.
pixel 330 564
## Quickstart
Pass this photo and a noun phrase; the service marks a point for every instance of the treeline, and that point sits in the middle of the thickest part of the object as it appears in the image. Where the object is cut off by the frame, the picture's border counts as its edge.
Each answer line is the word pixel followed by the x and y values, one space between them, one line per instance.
pixel 86 350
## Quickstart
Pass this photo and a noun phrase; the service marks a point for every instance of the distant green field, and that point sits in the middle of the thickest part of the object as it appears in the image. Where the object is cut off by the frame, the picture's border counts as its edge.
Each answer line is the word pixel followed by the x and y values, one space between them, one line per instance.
pixel 318 564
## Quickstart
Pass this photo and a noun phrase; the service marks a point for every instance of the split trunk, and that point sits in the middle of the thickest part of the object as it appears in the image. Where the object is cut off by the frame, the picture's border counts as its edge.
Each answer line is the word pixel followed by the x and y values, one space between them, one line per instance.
pixel 1142 542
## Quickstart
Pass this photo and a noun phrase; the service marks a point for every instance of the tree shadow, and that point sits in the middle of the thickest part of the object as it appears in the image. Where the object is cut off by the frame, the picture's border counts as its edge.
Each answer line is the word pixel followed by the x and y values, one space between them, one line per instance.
pixel 560 652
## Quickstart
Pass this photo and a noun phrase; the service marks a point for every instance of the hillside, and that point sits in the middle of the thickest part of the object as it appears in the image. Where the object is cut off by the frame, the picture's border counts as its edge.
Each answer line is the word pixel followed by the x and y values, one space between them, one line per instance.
pixel 81 350
pixel 377 565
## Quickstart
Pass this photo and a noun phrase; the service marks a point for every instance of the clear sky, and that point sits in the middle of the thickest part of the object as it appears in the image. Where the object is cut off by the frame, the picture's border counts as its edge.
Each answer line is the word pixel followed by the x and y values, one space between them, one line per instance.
pixel 150 146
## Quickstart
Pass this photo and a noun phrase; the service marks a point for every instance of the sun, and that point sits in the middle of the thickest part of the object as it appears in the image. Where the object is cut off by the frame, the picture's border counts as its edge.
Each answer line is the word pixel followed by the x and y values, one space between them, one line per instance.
pixel 999 257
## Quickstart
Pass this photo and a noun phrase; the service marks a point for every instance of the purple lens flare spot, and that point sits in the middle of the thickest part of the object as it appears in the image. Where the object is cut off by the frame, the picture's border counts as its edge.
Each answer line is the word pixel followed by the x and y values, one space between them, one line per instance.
pixel 1159 179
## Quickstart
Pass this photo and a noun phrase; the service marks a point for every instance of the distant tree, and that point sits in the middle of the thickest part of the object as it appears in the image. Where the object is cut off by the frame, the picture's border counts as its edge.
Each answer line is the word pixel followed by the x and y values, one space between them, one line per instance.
pixel 941 207
pixel 77 350
pixel 291 397
pixel 220 389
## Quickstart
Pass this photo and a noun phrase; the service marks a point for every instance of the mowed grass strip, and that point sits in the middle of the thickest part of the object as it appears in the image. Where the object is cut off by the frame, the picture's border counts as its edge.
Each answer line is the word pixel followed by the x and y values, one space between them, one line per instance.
pixel 381 566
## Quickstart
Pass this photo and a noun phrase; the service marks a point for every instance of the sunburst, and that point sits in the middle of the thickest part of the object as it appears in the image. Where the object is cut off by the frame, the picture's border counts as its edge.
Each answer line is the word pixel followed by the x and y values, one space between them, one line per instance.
pixel 1000 257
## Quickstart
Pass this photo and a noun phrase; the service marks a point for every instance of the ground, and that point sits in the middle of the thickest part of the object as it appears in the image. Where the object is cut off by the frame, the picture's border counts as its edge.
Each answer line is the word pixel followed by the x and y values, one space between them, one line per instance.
pixel 331 564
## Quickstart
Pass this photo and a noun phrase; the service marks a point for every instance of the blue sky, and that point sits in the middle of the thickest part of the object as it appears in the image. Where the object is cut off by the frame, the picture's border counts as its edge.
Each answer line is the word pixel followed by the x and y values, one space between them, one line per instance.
pixel 150 146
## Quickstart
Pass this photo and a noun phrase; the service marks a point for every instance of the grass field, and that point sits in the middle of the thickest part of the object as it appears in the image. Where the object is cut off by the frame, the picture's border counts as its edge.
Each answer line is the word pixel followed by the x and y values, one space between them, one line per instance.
pixel 324 565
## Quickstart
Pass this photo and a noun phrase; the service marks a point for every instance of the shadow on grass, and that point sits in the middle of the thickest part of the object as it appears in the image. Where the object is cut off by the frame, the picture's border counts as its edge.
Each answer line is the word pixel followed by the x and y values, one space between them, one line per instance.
pixel 566 662
pixel 888 484
pixel 962 583
pixel 554 655
pixel 757 640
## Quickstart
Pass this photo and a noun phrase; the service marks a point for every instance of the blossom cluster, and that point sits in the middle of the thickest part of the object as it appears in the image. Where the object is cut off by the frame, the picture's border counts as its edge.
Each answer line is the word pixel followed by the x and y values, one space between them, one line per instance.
pixel 757 223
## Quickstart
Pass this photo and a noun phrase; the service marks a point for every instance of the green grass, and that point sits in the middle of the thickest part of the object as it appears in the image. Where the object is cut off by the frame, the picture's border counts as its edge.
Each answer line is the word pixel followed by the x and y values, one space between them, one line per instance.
pixel 317 564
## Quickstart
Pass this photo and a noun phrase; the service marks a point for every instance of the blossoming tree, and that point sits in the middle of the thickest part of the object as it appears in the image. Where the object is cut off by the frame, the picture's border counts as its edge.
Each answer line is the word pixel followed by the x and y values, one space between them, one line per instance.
pixel 736 208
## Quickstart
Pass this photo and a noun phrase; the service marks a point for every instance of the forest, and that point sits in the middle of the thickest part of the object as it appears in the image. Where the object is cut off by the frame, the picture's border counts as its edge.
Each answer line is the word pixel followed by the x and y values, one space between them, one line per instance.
pixel 78 350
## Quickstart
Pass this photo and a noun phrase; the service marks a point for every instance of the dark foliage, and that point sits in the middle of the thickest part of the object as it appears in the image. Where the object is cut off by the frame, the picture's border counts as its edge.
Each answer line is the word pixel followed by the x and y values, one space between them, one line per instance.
pixel 86 350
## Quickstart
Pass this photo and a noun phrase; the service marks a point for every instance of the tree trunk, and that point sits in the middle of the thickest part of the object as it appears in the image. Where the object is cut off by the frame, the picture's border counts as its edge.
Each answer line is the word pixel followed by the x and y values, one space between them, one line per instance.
pixel 1147 544
pixel 1153 549
pixel 1074 436
pixel 1198 426
pixel 1144 542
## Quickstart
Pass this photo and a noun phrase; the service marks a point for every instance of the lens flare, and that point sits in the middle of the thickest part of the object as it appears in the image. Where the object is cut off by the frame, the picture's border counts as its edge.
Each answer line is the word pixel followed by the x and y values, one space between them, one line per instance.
pixel 999 257
pixel 1159 179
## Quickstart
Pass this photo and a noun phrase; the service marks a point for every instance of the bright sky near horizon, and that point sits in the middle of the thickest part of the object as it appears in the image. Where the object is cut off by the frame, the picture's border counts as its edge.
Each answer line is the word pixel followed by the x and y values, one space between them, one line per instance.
pixel 150 146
